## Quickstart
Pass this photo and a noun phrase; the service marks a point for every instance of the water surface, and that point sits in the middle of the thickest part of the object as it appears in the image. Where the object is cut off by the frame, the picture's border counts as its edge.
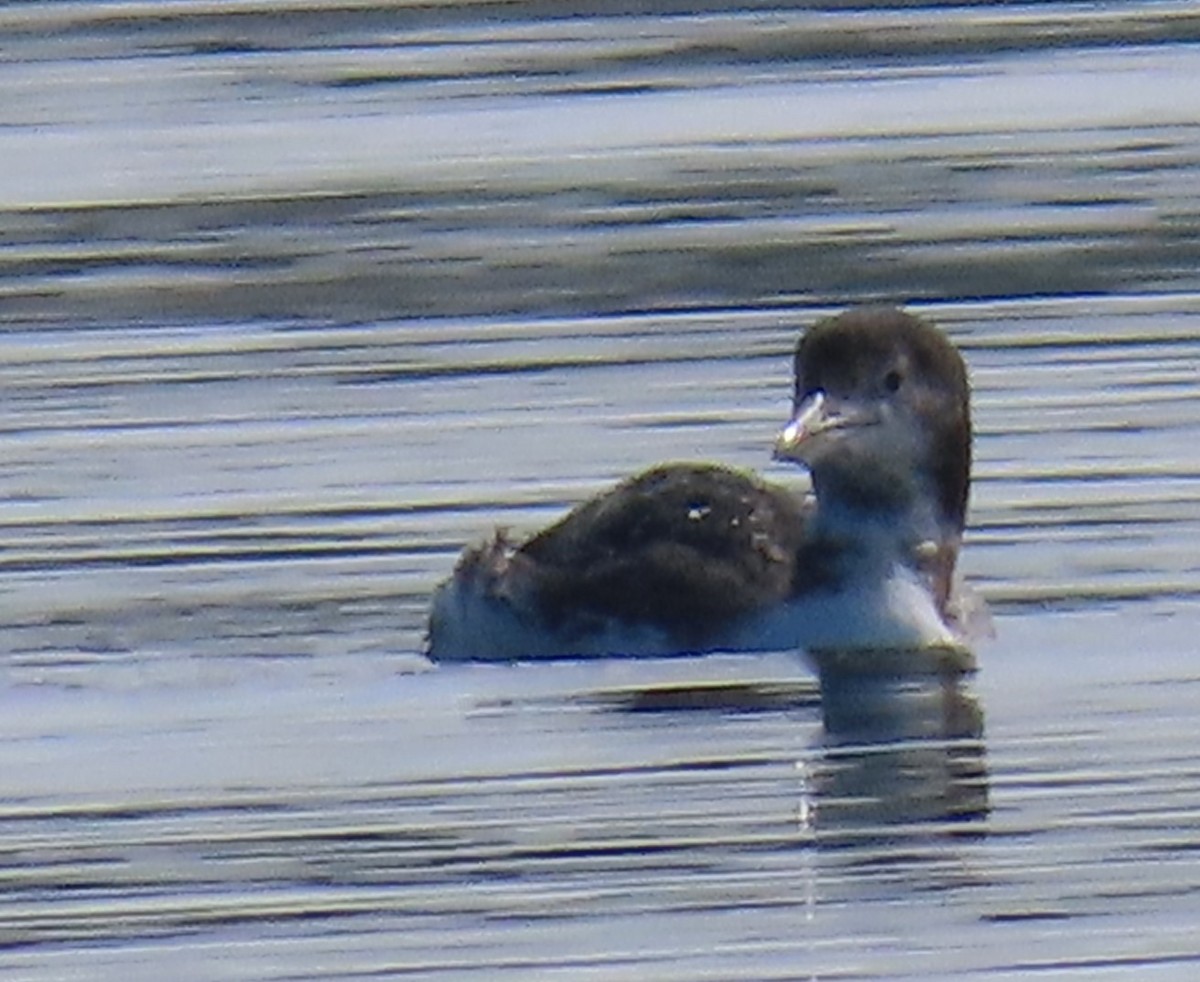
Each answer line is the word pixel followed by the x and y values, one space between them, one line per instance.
pixel 299 299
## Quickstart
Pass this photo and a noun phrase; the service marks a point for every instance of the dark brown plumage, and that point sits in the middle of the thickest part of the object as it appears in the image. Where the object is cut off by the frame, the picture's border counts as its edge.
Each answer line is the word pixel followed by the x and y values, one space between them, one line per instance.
pixel 682 547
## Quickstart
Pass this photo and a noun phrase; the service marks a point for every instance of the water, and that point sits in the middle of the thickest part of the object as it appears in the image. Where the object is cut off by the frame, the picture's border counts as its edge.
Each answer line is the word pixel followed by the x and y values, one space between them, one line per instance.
pixel 297 300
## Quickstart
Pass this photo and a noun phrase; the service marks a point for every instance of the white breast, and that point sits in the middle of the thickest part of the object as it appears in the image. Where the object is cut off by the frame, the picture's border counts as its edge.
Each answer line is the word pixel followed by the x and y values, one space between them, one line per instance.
pixel 894 611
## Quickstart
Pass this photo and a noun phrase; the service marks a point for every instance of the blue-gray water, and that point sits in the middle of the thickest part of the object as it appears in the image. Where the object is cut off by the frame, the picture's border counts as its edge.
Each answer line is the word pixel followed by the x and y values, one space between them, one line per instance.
pixel 298 299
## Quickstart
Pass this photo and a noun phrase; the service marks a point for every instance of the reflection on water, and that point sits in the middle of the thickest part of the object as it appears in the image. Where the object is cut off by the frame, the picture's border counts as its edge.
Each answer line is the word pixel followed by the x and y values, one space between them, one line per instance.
pixel 899 749
pixel 896 748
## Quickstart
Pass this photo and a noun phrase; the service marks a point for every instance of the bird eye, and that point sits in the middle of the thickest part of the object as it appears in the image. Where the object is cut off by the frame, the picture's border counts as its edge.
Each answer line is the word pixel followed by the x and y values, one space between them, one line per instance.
pixel 892 380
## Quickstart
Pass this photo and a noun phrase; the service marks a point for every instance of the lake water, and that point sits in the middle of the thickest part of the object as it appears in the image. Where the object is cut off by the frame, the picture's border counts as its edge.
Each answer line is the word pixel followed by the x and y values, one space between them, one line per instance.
pixel 297 299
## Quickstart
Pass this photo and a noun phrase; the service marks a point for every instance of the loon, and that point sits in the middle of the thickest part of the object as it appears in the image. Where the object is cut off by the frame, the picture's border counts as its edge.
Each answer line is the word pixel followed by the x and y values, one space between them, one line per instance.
pixel 696 557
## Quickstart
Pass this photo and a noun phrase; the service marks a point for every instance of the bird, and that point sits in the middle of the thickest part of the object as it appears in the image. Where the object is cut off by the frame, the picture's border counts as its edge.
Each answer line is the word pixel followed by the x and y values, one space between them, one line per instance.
pixel 693 558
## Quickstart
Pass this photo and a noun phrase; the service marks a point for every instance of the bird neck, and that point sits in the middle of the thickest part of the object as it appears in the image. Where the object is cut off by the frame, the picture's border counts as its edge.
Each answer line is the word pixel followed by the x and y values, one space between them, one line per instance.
pixel 911 531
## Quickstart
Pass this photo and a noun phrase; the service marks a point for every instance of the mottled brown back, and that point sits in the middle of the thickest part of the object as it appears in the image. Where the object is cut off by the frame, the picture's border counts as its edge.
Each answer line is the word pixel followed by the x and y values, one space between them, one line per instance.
pixel 686 548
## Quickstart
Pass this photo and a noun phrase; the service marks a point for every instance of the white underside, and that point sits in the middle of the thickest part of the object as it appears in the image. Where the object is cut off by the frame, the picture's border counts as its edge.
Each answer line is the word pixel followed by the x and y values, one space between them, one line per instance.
pixel 895 611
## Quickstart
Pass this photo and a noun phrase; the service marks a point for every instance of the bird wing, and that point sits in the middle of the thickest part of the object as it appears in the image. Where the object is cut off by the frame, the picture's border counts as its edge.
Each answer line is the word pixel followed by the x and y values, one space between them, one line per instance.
pixel 685 548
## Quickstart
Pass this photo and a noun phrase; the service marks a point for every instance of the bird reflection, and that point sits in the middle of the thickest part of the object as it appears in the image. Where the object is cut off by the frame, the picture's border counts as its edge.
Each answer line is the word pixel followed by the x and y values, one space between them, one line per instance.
pixel 898 748
pixel 902 742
